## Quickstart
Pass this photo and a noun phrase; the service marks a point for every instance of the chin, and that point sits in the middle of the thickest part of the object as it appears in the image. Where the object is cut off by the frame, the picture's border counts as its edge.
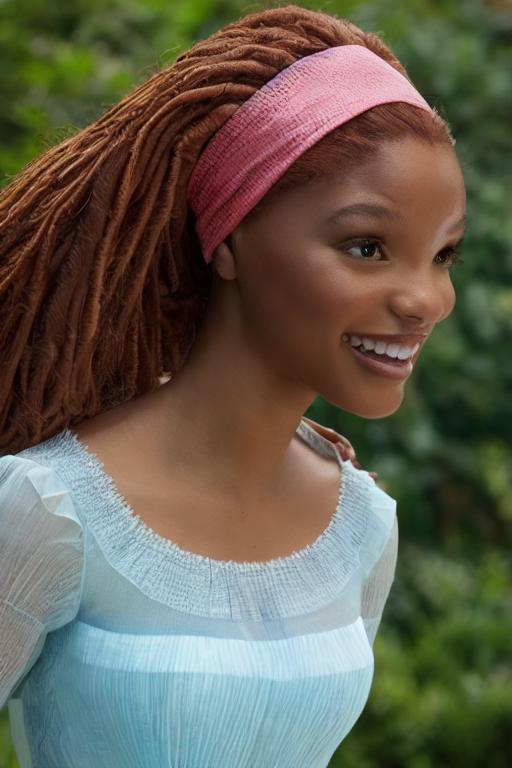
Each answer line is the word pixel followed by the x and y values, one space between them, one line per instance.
pixel 368 410
pixel 382 414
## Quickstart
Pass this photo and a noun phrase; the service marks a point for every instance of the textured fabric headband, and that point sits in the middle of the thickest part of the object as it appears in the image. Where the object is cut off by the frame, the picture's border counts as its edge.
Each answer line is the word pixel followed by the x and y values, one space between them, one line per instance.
pixel 270 130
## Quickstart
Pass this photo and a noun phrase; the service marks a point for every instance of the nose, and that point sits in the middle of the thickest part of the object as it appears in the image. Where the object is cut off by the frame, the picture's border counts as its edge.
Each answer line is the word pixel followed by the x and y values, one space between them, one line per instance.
pixel 423 303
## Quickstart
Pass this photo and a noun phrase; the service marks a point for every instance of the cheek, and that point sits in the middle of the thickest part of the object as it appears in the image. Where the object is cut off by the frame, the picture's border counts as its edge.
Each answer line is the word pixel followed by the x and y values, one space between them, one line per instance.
pixel 297 294
pixel 328 296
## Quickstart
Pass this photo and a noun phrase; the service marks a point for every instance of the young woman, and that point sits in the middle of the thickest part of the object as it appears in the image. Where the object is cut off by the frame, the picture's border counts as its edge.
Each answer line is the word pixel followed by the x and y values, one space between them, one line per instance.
pixel 191 574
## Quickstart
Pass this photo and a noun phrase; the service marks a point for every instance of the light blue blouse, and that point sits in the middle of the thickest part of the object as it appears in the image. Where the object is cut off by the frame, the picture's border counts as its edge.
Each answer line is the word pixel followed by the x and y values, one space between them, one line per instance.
pixel 119 649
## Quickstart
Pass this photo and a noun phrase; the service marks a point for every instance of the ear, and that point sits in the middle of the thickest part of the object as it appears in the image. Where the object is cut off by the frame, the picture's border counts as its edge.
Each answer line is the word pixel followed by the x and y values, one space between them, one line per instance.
pixel 223 259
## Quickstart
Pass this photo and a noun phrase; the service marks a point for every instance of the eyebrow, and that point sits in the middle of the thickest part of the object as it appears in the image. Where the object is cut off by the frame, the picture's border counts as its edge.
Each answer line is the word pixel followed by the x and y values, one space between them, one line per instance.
pixel 380 212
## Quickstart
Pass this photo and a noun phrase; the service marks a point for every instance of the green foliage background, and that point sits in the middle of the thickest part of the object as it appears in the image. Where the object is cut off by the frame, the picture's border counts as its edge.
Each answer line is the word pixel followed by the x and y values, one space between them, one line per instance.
pixel 442 693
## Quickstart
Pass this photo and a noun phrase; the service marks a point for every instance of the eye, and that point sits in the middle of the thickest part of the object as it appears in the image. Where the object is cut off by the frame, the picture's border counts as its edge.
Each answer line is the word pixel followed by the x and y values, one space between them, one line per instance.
pixel 454 254
pixel 366 245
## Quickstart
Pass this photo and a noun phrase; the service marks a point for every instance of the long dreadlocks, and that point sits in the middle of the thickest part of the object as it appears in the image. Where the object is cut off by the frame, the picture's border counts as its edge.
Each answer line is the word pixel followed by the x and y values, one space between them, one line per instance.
pixel 102 281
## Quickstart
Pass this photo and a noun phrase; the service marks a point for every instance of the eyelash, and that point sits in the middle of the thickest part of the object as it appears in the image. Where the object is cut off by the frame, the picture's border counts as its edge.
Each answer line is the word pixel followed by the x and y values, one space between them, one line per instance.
pixel 453 250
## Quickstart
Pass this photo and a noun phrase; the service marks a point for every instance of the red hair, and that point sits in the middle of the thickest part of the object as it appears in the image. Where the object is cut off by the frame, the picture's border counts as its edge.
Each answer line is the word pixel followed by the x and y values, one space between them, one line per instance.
pixel 102 282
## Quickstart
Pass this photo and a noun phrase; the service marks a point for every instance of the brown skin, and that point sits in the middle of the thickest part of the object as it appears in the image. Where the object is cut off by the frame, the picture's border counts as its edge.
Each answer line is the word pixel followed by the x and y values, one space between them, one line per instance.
pixel 283 294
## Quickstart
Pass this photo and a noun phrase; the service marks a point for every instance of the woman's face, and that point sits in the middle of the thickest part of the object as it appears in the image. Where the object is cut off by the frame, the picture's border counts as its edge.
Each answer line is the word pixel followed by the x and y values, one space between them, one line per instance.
pixel 305 280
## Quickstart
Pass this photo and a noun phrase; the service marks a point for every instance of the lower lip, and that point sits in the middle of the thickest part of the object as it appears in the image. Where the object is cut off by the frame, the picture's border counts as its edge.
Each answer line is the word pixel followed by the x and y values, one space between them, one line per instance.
pixel 398 370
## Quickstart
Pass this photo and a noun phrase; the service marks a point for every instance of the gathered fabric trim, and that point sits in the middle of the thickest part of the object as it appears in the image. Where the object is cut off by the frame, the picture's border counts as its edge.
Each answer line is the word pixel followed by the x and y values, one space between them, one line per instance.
pixel 193 583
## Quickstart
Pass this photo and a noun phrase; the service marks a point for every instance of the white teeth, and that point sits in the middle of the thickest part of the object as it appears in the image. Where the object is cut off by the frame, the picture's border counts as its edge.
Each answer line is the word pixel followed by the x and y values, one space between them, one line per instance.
pixel 406 352
pixel 396 351
pixel 368 343
pixel 393 350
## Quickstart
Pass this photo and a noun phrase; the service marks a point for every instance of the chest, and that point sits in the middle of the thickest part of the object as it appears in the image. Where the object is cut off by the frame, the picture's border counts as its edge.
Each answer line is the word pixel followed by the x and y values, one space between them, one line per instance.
pixel 196 700
pixel 196 520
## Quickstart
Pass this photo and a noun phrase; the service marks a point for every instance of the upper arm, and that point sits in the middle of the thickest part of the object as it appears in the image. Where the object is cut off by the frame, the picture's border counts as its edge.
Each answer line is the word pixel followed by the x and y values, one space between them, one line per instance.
pixel 41 564
pixel 377 586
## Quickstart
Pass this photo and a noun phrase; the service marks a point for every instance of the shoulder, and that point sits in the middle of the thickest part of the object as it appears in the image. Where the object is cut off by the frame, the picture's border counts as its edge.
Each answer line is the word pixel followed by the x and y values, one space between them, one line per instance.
pixel 33 498
pixel 41 564
pixel 380 545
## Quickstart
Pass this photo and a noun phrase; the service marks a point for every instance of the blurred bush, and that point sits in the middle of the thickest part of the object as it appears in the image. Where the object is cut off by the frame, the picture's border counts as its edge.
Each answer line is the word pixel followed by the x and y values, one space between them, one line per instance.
pixel 442 692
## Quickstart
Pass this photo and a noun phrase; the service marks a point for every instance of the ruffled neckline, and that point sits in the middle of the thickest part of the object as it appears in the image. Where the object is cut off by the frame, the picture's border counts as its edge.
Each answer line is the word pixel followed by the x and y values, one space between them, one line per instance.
pixel 194 583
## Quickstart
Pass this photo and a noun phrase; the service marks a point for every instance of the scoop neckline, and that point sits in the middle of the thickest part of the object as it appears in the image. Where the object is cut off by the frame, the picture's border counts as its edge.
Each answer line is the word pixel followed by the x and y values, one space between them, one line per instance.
pixel 145 535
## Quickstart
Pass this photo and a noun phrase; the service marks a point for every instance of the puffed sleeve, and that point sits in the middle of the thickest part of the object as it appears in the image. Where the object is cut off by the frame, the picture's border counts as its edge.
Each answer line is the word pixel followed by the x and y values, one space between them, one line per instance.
pixel 379 557
pixel 41 564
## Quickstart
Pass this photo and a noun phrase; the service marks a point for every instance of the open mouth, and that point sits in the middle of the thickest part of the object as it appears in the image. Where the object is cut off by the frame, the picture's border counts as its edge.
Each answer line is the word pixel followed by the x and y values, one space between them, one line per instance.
pixel 383 358
pixel 383 365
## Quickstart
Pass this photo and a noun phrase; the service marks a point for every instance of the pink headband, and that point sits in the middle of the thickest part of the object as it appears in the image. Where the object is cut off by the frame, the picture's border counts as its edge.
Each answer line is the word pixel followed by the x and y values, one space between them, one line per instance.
pixel 270 130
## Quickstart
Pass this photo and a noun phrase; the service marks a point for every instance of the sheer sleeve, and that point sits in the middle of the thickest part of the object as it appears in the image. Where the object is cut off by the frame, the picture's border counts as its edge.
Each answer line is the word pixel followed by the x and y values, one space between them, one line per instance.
pixel 41 564
pixel 382 541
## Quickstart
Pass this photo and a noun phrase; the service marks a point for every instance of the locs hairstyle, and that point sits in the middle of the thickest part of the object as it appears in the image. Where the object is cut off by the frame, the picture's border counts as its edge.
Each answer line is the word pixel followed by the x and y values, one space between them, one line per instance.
pixel 102 282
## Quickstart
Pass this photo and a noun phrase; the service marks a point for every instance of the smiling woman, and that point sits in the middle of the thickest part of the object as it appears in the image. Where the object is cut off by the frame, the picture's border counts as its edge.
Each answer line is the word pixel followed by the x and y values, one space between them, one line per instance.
pixel 199 572
pixel 318 276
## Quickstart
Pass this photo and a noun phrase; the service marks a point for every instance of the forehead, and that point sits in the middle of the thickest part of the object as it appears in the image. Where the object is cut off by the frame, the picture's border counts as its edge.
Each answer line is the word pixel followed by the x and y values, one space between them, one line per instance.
pixel 405 172
pixel 416 182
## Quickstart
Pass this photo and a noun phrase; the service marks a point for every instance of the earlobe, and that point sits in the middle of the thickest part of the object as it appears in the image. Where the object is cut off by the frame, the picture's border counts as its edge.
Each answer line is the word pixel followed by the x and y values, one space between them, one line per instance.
pixel 223 260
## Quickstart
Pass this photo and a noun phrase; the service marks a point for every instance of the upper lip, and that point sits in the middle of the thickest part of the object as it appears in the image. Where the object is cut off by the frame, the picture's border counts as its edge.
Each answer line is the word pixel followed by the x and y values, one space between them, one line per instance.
pixel 392 338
